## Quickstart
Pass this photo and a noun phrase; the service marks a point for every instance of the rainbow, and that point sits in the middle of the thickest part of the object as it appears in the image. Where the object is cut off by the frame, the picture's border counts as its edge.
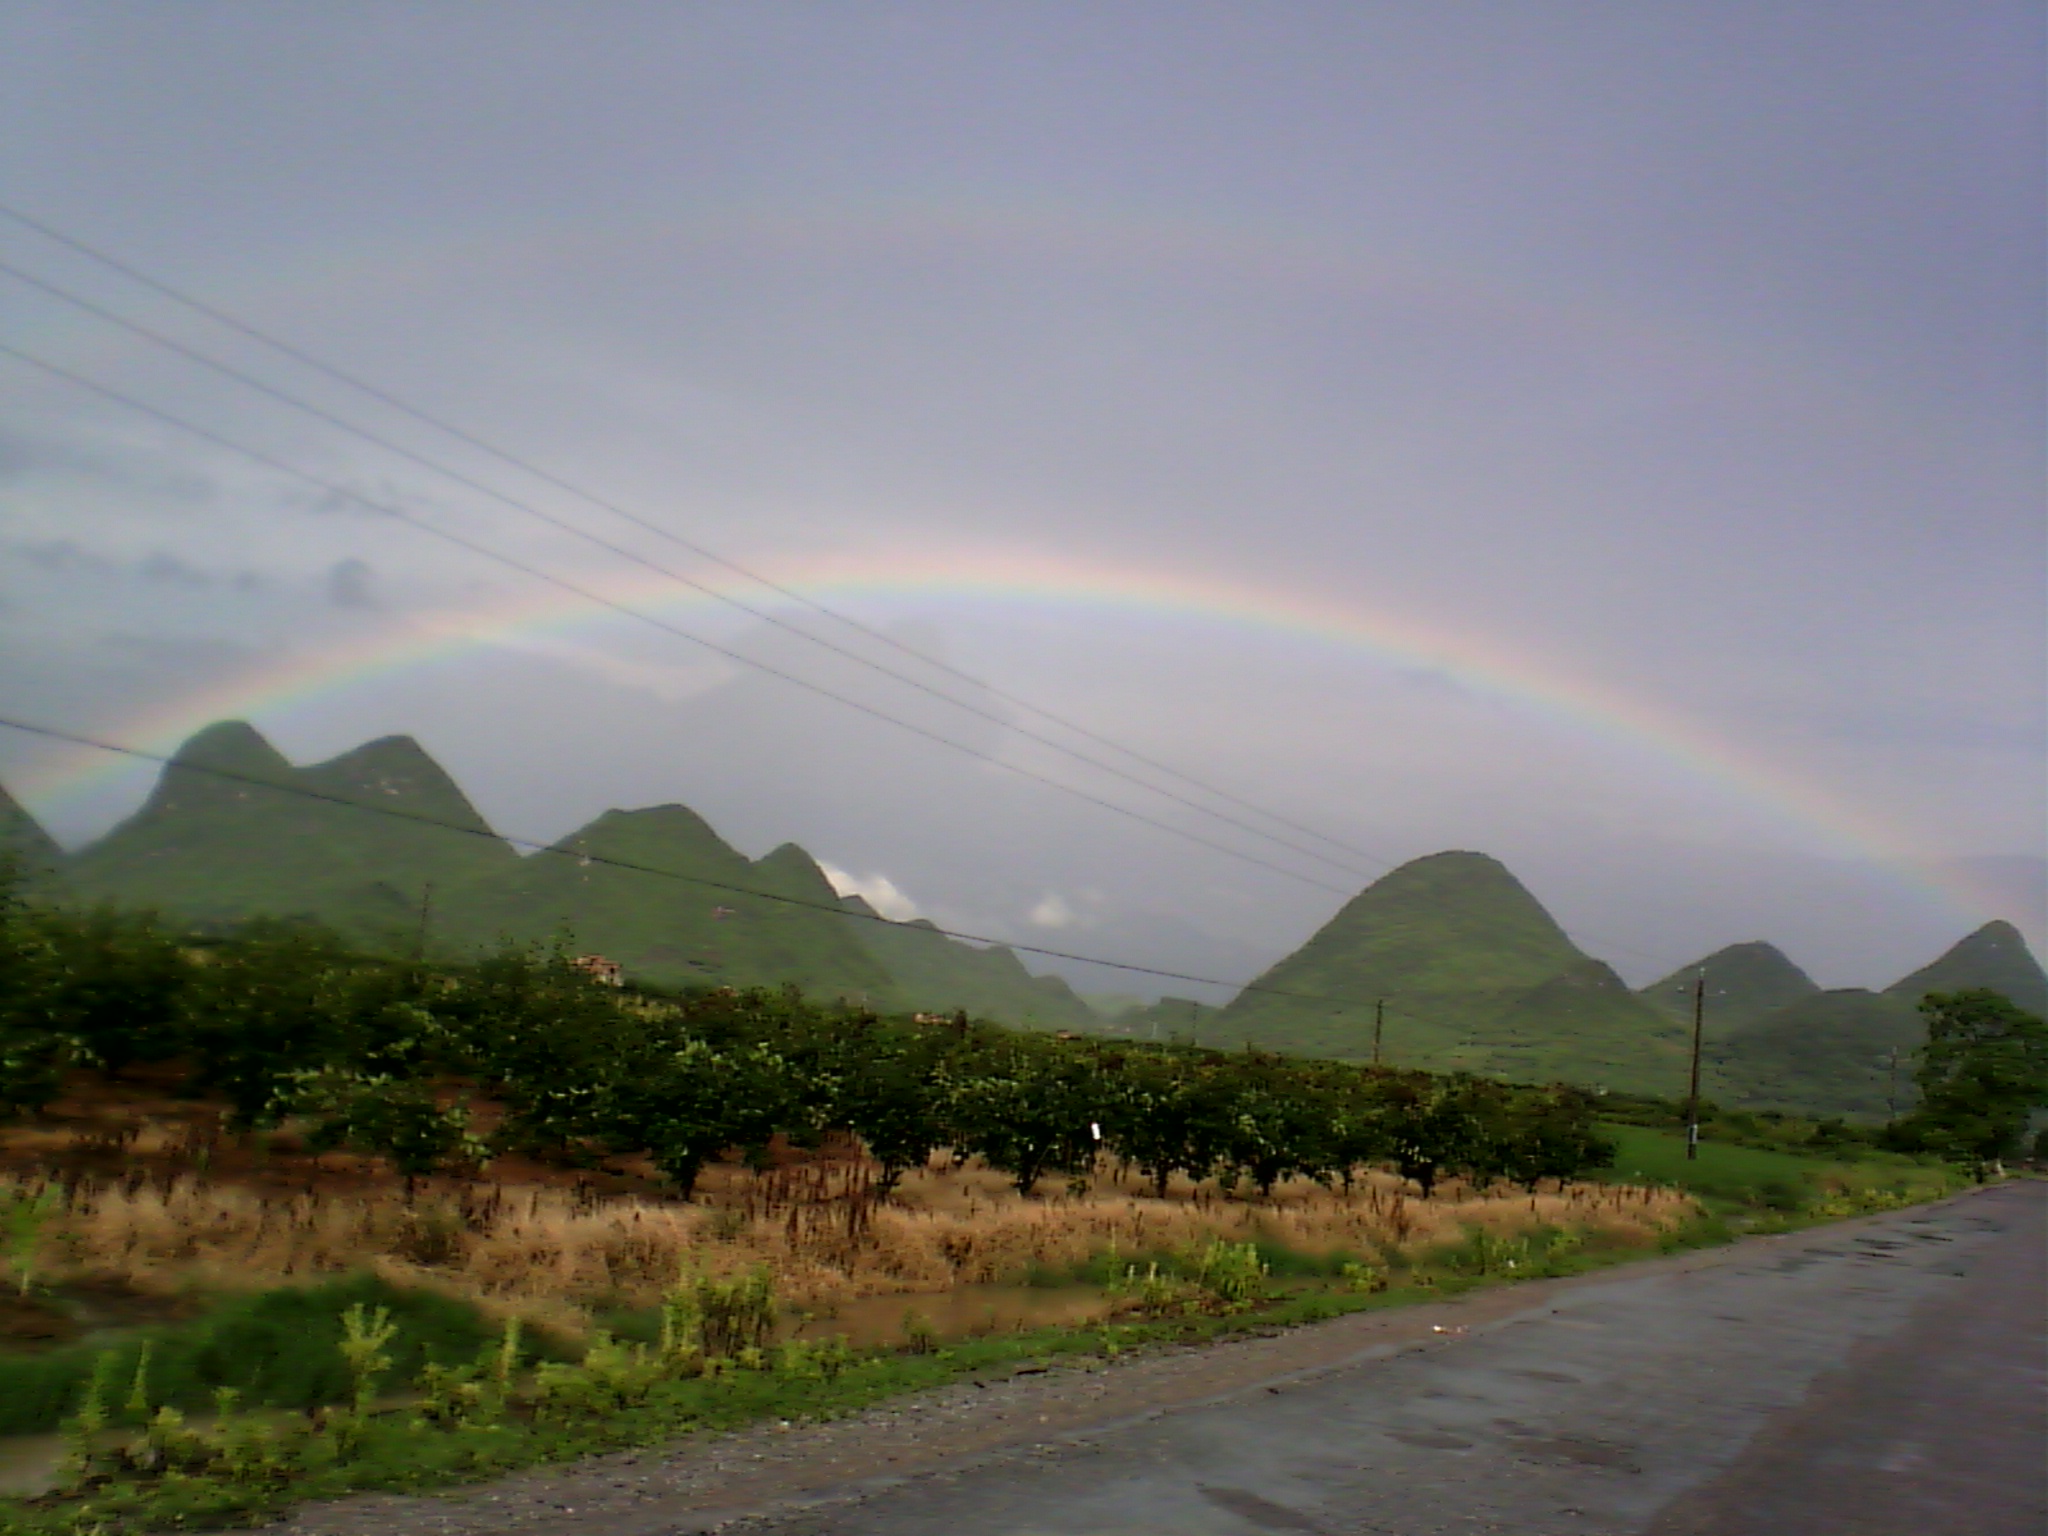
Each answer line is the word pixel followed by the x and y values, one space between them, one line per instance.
pixel 1117 242
pixel 545 616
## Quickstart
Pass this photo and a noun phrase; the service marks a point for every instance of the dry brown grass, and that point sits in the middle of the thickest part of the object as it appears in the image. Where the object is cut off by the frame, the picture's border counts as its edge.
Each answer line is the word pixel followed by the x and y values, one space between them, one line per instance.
pixel 552 1254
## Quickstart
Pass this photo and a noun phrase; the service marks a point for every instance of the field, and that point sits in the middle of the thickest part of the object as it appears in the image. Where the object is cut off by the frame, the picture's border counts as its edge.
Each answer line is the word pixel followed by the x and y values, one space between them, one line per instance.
pixel 1762 1180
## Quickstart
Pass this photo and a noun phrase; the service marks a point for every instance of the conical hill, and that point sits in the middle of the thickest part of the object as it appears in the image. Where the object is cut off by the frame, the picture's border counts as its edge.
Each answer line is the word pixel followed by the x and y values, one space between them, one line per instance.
pixel 1475 975
pixel 1995 956
pixel 1847 1052
pixel 232 830
pixel 1744 983
pixel 23 840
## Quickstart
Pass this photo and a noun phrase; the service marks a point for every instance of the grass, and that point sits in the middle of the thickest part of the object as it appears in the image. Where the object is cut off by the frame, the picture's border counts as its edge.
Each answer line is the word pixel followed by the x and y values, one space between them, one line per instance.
pixel 278 1348
pixel 1735 1179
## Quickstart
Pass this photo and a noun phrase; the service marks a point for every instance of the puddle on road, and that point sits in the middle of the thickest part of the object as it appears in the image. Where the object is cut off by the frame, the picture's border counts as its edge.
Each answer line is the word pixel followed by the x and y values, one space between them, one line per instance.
pixel 967 1312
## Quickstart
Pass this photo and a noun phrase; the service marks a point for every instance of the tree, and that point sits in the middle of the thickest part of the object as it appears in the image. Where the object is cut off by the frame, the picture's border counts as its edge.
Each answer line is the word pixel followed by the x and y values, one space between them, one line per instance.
pixel 1550 1134
pixel 1982 1073
pixel 1435 1127
pixel 33 1053
pixel 389 1117
pixel 112 984
pixel 1167 1115
pixel 686 1105
pixel 888 1087
pixel 263 1008
pixel 1029 1108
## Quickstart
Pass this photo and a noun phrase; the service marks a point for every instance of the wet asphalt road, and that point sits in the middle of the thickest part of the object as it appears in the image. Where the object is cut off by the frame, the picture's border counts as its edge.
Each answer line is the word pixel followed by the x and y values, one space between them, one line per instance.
pixel 1883 1377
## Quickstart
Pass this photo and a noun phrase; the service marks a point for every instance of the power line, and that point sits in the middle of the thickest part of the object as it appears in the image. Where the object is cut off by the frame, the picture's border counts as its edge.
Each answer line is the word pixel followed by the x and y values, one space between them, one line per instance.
pixel 440 424
pixel 762 615
pixel 513 563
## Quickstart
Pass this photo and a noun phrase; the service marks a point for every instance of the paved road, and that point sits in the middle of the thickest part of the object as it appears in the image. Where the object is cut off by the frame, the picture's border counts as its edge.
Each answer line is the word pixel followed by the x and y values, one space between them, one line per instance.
pixel 1879 1378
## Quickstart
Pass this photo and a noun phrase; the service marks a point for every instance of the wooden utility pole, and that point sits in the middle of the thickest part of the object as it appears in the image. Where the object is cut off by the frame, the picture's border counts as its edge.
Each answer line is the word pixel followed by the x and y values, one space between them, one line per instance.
pixel 1692 1095
pixel 1379 1027
pixel 426 918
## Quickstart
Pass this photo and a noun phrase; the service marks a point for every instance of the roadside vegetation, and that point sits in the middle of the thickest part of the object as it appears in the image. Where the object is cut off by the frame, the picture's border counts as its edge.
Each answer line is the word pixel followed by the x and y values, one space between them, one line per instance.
pixel 283 1219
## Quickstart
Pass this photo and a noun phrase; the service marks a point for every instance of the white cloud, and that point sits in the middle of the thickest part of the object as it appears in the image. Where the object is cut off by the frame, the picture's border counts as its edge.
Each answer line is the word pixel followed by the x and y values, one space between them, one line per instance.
pixel 1053 912
pixel 879 891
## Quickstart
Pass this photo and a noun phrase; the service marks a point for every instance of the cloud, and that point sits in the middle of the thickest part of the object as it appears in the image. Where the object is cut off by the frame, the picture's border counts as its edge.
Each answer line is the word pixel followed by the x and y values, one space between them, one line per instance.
pixel 171 571
pixel 59 555
pixel 349 585
pixel 1053 911
pixel 878 891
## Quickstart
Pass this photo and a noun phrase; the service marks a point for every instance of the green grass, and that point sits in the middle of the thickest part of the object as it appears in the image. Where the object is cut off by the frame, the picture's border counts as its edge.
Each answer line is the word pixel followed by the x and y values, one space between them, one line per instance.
pixel 1768 1181
pixel 277 1349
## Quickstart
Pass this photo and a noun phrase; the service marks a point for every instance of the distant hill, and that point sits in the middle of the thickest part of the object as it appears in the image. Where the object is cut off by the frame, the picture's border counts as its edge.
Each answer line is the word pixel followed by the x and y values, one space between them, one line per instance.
pixel 1830 1054
pixel 935 974
pixel 1476 976
pixel 1745 982
pixel 1833 1052
pixel 215 842
pixel 1995 956
pixel 716 925
pixel 22 837
pixel 233 830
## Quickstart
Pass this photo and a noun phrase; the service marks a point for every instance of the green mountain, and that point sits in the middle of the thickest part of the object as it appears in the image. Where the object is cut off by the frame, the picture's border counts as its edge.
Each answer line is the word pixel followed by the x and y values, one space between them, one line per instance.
pixel 1995 956
pixel 23 837
pixel 716 925
pixel 1831 1053
pixel 935 974
pixel 1745 982
pixel 1849 1052
pixel 233 830
pixel 1475 974
pixel 224 836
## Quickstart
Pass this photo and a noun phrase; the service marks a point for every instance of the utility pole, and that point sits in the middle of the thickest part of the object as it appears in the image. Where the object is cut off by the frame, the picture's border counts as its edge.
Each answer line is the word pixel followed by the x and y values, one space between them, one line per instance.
pixel 1692 1096
pixel 1891 1090
pixel 426 916
pixel 1379 1027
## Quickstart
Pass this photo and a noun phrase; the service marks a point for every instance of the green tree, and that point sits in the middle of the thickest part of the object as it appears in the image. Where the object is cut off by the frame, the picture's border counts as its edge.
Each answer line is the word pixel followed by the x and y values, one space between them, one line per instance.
pixel 1550 1134
pixel 1166 1114
pixel 397 1118
pixel 1028 1107
pixel 112 984
pixel 687 1104
pixel 264 1008
pixel 33 1051
pixel 1982 1073
pixel 889 1087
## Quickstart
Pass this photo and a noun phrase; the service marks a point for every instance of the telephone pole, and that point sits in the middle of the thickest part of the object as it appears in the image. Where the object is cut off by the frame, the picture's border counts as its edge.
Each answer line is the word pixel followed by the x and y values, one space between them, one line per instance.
pixel 426 919
pixel 1692 1096
pixel 1379 1027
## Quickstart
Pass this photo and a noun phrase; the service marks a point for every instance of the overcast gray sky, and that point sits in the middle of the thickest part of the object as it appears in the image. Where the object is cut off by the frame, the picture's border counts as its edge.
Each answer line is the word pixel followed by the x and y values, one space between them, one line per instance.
pixel 1603 435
